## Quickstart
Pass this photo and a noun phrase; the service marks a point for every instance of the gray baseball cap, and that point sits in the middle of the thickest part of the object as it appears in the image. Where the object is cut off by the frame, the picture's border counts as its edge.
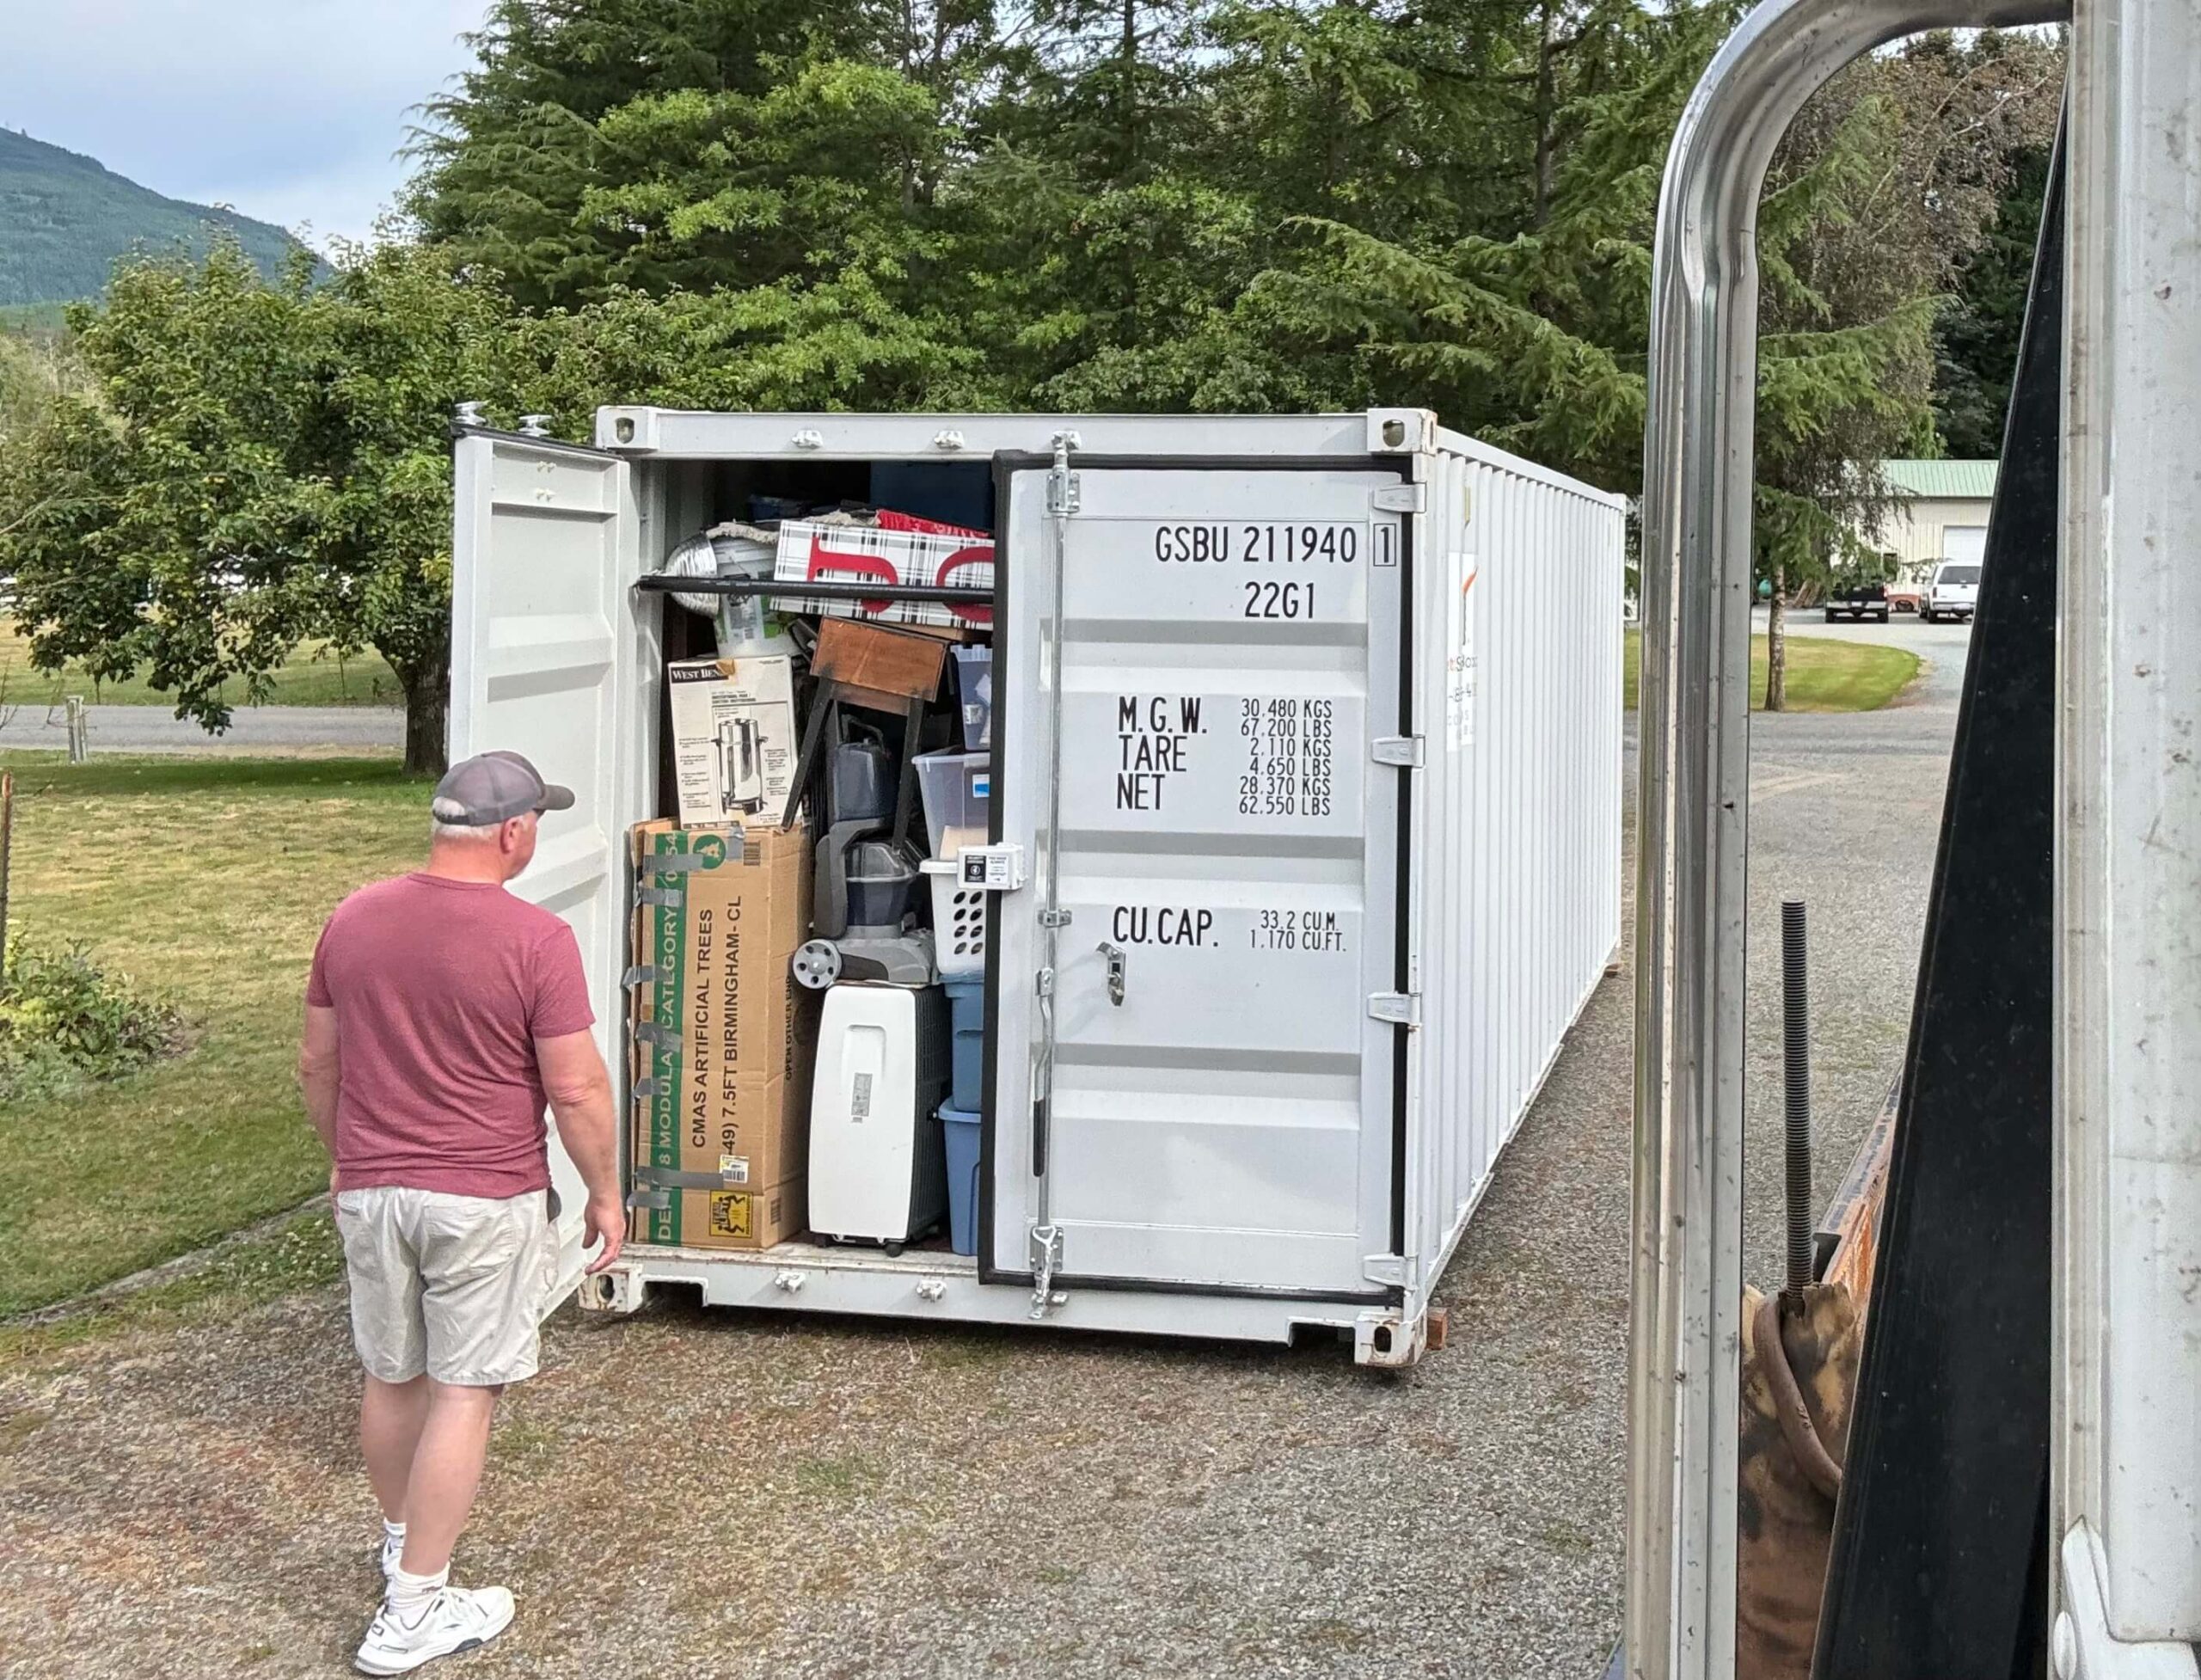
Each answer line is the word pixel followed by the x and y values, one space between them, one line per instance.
pixel 494 787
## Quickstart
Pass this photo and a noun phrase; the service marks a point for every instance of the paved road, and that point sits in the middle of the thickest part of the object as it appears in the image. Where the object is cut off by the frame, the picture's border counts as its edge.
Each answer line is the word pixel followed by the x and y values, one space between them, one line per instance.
pixel 255 729
pixel 689 1491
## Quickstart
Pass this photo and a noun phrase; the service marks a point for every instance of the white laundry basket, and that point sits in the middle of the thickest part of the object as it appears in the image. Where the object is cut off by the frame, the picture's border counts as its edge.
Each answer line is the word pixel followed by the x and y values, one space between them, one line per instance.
pixel 959 919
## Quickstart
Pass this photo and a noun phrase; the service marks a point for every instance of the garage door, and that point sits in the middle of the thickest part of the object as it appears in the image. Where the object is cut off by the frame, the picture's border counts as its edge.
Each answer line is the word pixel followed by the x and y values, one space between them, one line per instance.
pixel 1963 542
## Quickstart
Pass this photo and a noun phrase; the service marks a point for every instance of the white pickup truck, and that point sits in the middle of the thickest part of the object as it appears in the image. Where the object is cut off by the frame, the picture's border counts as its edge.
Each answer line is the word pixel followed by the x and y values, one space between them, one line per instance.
pixel 1953 591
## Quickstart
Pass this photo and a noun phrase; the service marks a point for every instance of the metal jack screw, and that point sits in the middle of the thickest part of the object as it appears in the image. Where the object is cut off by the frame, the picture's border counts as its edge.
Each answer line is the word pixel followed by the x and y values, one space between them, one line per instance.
pixel 1796 1068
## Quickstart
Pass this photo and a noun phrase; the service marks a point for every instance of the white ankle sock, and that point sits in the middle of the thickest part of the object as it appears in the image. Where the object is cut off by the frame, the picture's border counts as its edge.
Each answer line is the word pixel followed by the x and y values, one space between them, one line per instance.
pixel 393 1533
pixel 411 1595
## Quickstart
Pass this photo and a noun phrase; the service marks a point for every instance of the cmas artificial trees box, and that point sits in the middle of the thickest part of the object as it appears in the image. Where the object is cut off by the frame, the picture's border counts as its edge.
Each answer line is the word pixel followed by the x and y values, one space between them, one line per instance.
pixel 723 1037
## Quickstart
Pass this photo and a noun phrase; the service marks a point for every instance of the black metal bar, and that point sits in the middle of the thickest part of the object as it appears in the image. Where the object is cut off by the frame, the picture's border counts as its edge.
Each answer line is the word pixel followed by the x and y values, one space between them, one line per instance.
pixel 821 589
pixel 1796 1058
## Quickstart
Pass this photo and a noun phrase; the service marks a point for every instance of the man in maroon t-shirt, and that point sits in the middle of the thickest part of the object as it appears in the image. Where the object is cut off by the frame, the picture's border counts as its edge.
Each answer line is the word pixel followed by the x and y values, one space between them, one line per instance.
pixel 442 1015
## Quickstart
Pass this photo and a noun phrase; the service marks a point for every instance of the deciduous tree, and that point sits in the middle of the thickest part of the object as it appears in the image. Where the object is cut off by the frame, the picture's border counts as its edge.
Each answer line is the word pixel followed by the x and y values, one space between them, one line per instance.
pixel 260 465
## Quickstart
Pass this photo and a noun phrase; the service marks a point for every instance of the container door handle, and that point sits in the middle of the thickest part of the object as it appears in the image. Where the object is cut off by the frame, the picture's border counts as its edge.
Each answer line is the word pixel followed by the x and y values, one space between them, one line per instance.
pixel 1115 956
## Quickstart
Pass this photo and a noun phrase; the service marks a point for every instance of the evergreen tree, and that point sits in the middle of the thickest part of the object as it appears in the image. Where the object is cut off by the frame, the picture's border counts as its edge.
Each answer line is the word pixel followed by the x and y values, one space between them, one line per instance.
pixel 1197 205
pixel 611 143
pixel 1975 340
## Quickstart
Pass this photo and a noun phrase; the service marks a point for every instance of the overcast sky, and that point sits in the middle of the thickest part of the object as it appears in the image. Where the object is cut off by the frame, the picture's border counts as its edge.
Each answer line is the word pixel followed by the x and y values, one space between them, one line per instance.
pixel 292 110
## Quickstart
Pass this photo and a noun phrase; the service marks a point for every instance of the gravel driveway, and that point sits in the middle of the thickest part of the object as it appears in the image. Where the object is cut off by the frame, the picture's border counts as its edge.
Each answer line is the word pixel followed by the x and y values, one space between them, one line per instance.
pixel 685 1491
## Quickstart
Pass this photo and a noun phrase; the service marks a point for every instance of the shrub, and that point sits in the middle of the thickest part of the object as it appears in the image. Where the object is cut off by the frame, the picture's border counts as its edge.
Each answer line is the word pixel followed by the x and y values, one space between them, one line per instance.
pixel 64 1021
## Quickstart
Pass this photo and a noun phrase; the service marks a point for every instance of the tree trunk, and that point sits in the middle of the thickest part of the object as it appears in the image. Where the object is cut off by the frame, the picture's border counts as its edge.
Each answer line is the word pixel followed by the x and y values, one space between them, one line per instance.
pixel 1547 114
pixel 1127 91
pixel 1777 647
pixel 427 714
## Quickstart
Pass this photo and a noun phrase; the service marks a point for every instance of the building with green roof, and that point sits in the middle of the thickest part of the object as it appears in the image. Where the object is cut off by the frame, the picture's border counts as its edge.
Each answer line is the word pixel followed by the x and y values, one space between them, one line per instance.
pixel 1943 512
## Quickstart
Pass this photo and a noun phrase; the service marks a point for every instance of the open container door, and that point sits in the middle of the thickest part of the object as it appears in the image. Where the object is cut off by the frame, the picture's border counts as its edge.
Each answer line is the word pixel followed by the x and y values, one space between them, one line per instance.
pixel 545 554
pixel 1217 1106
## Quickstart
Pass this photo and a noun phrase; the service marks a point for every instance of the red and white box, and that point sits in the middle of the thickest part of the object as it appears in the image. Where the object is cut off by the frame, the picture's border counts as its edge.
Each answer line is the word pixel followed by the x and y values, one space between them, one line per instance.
pixel 948 558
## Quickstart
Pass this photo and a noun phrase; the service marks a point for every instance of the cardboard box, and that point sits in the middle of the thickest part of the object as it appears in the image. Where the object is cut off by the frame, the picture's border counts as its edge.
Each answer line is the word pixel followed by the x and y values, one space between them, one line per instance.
pixel 852 553
pixel 734 738
pixel 750 1219
pixel 724 1039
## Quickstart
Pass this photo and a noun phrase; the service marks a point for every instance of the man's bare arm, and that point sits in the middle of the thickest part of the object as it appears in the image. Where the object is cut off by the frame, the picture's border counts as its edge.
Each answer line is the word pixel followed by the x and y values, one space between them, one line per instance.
pixel 320 1077
pixel 579 1086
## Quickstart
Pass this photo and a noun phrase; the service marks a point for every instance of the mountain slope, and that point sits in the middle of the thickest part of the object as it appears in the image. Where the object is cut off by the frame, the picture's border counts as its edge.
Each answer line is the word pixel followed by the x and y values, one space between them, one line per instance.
pixel 66 219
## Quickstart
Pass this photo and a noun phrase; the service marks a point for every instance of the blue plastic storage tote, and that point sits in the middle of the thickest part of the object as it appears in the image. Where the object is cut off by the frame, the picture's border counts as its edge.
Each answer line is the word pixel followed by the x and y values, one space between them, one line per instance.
pixel 967 1014
pixel 961 1128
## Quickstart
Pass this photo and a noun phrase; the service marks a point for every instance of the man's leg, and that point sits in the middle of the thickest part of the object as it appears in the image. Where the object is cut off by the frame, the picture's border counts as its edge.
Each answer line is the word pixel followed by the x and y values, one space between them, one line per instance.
pixel 390 1417
pixel 446 1469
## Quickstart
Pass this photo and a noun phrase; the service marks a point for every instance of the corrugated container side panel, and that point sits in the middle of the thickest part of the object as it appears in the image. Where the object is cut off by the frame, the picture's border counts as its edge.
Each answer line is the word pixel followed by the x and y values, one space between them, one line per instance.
pixel 1604 931
pixel 1553 632
pixel 1439 889
pixel 1476 963
pixel 1521 905
pixel 1523 725
pixel 1548 951
pixel 1490 526
pixel 1456 796
pixel 1576 892
pixel 1530 723
pixel 1486 955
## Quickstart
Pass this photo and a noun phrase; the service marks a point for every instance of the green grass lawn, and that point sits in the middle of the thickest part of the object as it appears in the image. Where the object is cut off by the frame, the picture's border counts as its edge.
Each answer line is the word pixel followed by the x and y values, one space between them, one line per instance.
pixel 206 881
pixel 1824 675
pixel 313 676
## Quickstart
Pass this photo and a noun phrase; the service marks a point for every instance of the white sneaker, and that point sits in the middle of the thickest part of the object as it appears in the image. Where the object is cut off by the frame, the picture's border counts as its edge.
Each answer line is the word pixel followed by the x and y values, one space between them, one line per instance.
pixel 457 1619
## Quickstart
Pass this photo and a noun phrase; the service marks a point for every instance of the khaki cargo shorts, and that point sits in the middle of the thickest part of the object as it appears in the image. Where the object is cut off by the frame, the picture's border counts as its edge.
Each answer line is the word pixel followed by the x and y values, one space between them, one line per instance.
pixel 451 1286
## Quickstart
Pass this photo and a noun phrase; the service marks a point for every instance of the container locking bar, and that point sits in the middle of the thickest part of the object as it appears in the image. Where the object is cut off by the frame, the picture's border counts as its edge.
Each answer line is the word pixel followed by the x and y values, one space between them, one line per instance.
pixel 1046 1261
pixel 1063 501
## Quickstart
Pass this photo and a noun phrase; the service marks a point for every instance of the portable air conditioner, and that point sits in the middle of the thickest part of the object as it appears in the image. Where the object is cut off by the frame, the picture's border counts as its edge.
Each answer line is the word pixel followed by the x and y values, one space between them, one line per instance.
pixel 878 1168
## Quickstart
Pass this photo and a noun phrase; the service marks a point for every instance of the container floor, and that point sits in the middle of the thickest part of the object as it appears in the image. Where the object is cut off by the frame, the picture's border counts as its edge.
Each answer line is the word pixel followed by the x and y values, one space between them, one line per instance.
pixel 931 1253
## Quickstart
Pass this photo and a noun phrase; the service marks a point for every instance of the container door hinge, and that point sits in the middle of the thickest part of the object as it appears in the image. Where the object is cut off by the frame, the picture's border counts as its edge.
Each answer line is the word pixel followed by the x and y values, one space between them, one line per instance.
pixel 2081 1645
pixel 1388 1271
pixel 1401 1008
pixel 1399 499
pixel 1403 751
pixel 1046 1261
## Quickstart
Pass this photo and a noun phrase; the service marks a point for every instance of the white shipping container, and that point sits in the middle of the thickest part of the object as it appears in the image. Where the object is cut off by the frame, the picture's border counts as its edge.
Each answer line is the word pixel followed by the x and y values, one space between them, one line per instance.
pixel 1336 749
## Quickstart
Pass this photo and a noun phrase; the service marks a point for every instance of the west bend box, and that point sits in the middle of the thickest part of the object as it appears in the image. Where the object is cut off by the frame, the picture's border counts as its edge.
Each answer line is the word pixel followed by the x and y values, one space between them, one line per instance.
pixel 723 1037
